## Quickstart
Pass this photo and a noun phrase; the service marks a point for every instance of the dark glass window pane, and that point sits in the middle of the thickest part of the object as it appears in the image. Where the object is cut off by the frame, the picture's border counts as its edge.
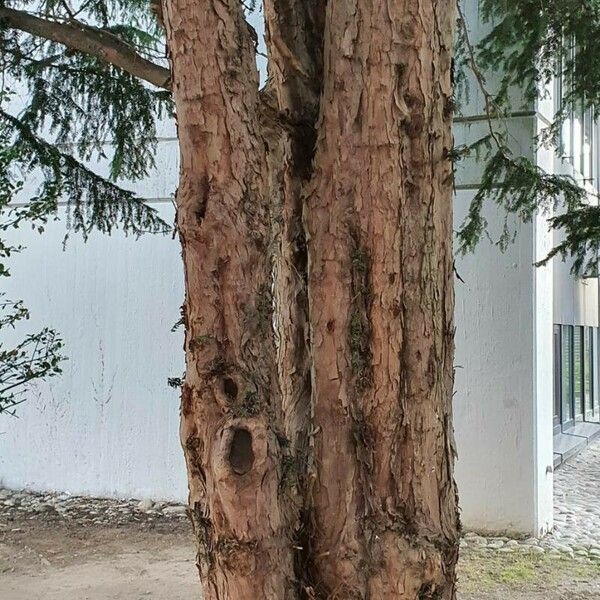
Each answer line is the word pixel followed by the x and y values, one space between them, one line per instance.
pixel 567 373
pixel 578 370
pixel 557 380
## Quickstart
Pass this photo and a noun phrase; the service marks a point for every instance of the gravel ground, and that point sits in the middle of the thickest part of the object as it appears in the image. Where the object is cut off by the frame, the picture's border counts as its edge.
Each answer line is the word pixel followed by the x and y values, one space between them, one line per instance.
pixel 577 502
pixel 58 546
pixel 98 511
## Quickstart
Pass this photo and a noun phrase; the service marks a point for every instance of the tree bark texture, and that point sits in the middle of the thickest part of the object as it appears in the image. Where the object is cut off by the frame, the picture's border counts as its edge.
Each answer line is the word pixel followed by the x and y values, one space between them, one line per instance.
pixel 231 414
pixel 379 221
pixel 316 228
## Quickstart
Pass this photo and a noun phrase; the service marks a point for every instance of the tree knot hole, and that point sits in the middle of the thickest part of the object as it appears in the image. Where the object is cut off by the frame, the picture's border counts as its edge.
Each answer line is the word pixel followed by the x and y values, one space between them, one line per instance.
pixel 230 388
pixel 241 454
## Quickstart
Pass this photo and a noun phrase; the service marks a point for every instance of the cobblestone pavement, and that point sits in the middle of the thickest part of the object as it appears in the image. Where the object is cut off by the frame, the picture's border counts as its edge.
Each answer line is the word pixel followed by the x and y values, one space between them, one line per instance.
pixel 576 513
pixel 577 501
pixel 576 498
pixel 15 505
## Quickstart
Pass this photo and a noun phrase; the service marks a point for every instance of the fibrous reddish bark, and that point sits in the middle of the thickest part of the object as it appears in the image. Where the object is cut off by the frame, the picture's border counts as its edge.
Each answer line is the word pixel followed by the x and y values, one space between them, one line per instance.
pixel 339 485
pixel 232 428
pixel 379 221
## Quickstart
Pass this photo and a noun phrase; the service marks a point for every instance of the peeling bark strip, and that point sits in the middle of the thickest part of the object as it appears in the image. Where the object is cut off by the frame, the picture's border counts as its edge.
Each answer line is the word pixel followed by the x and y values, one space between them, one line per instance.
pixel 381 304
pixel 319 446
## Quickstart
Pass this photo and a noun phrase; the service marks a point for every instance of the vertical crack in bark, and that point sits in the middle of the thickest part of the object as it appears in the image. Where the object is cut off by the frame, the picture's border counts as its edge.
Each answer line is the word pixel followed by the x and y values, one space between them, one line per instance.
pixel 360 329
pixel 295 46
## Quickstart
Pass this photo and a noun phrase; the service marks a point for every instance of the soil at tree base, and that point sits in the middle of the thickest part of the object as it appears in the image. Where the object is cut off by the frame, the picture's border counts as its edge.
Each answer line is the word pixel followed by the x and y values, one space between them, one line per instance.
pixel 58 559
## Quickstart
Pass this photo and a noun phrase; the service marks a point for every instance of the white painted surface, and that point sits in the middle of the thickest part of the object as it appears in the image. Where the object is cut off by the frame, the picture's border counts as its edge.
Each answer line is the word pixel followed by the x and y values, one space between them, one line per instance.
pixel 109 425
pixel 542 450
pixel 504 380
pixel 493 400
pixel 503 391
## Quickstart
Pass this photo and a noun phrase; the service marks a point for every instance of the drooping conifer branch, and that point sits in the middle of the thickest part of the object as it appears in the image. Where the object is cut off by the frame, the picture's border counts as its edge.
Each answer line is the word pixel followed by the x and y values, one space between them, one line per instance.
pixel 527 57
pixel 90 40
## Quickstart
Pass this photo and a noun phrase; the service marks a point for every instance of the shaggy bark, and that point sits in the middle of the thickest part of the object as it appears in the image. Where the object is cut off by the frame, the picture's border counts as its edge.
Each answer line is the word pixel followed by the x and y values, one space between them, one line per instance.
pixel 231 428
pixel 381 304
pixel 345 490
pixel 294 38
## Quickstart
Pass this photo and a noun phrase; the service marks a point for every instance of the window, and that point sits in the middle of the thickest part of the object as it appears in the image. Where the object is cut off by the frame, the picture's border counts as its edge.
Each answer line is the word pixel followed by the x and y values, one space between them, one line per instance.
pixel 575 368
pixel 566 132
pixel 578 371
pixel 587 154
pixel 566 369
pixel 557 379
pixel 588 369
pixel 577 143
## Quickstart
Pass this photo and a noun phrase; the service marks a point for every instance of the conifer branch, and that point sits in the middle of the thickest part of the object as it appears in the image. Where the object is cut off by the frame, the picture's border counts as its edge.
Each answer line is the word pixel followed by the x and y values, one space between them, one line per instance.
pixel 89 40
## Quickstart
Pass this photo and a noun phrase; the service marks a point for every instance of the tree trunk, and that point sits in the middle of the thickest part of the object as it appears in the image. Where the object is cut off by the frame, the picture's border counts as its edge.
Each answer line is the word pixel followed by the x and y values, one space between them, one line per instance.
pixel 337 485
pixel 379 221
pixel 231 418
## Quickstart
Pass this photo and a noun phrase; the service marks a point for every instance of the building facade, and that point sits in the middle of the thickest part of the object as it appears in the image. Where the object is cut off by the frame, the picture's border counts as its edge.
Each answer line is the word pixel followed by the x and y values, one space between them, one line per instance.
pixel 527 363
pixel 527 337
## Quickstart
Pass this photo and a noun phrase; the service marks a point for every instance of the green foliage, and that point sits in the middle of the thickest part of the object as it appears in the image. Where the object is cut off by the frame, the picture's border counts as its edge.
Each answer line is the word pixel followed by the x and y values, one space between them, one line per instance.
pixel 526 45
pixel 528 38
pixel 37 355
pixel 581 241
pixel 61 113
pixel 62 110
pixel 519 187
pixel 250 6
pixel 176 382
pixel 92 201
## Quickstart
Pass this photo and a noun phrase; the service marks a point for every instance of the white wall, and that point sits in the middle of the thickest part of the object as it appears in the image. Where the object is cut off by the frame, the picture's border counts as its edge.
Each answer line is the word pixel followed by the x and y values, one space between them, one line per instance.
pixel 504 316
pixel 543 381
pixel 494 360
pixel 503 390
pixel 109 425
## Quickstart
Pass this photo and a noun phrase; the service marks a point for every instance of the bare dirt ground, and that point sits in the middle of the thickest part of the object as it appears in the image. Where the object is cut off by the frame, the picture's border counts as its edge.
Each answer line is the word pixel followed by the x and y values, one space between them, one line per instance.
pixel 67 559
pixel 70 560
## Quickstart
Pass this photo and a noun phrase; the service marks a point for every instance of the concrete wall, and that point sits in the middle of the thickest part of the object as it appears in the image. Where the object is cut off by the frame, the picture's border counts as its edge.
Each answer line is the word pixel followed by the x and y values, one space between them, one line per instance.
pixel 109 425
pixel 503 391
pixel 504 315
